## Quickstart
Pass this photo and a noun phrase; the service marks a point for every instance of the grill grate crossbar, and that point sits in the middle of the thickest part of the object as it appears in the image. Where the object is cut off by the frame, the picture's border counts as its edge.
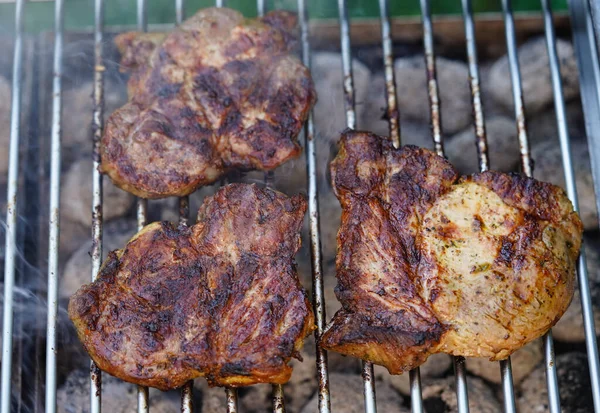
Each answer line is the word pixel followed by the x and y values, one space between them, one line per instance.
pixel 368 375
pixel 393 116
pixel 460 370
pixel 97 128
pixel 527 168
pixel 318 294
pixel 484 165
pixel 54 215
pixel 11 211
pixel 563 135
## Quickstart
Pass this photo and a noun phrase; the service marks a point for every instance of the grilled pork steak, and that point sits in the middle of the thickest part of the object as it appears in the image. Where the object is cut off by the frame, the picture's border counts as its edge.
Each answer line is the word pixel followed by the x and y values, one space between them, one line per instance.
pixel 427 262
pixel 220 299
pixel 220 92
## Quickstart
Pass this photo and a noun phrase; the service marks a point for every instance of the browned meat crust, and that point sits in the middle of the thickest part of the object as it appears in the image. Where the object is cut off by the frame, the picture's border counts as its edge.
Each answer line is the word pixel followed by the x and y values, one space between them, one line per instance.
pixel 220 299
pixel 429 263
pixel 218 93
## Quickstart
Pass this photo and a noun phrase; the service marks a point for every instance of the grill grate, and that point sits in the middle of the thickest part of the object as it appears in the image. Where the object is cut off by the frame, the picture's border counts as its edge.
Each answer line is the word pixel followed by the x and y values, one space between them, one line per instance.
pixel 587 54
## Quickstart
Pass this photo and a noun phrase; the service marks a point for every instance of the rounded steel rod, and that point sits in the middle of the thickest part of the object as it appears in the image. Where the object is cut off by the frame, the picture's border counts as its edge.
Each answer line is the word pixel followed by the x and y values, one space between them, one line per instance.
pixel 11 210
pixel 460 372
pixel 232 400
pixel 142 209
pixel 53 239
pixel 527 167
pixel 187 391
pixel 97 128
pixel 564 138
pixel 367 367
pixel 484 165
pixel 393 116
pixel 314 228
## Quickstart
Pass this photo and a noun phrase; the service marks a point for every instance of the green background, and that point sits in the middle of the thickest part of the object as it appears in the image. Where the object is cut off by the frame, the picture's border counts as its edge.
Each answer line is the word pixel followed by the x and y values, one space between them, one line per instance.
pixel 80 13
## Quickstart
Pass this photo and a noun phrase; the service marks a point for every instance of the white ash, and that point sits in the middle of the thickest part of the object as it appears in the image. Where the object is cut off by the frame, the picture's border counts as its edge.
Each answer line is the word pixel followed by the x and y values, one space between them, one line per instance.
pixel 439 396
pixel 502 142
pixel 570 327
pixel 5 93
pixel 548 167
pixel 524 361
pixel 346 391
pixel 435 366
pixel 454 92
pixel 573 383
pixel 76 201
pixel 535 75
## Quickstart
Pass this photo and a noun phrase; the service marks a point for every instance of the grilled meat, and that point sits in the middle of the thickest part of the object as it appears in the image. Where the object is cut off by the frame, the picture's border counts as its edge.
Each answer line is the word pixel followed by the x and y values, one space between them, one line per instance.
pixel 220 299
pixel 218 93
pixel 427 262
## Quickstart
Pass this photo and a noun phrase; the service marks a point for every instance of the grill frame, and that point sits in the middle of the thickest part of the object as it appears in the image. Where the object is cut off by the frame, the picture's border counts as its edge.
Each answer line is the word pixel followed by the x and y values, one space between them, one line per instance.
pixel 583 34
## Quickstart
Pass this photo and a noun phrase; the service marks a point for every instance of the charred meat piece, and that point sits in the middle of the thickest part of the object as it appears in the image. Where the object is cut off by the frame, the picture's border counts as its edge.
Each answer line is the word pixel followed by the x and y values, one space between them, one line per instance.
pixel 220 92
pixel 427 262
pixel 220 299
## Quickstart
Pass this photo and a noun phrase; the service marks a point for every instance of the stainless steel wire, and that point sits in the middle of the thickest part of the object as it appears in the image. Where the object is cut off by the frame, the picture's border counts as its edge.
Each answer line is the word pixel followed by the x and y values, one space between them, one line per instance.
pixel 11 211
pixel 460 370
pixel 232 400
pixel 349 101
pixel 260 8
pixel 563 135
pixel 589 84
pixel 143 405
pixel 484 165
pixel 278 399
pixel 314 226
pixel 393 116
pixel 97 128
pixel 187 391
pixel 519 103
pixel 432 85
pixel 527 167
pixel 187 397
pixel 484 162
pixel 269 176
pixel 53 239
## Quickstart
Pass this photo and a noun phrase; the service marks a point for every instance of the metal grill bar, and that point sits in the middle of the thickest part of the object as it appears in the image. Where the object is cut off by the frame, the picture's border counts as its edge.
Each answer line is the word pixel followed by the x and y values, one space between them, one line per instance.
pixel 187 391
pixel 519 103
pixel 53 242
pixel 484 165
pixel 367 367
pixel 589 84
pixel 232 400
pixel 278 399
pixel 277 390
pixel 314 227
pixel 527 167
pixel 142 209
pixel 97 128
pixel 563 134
pixel 460 370
pixel 11 211
pixel 393 116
